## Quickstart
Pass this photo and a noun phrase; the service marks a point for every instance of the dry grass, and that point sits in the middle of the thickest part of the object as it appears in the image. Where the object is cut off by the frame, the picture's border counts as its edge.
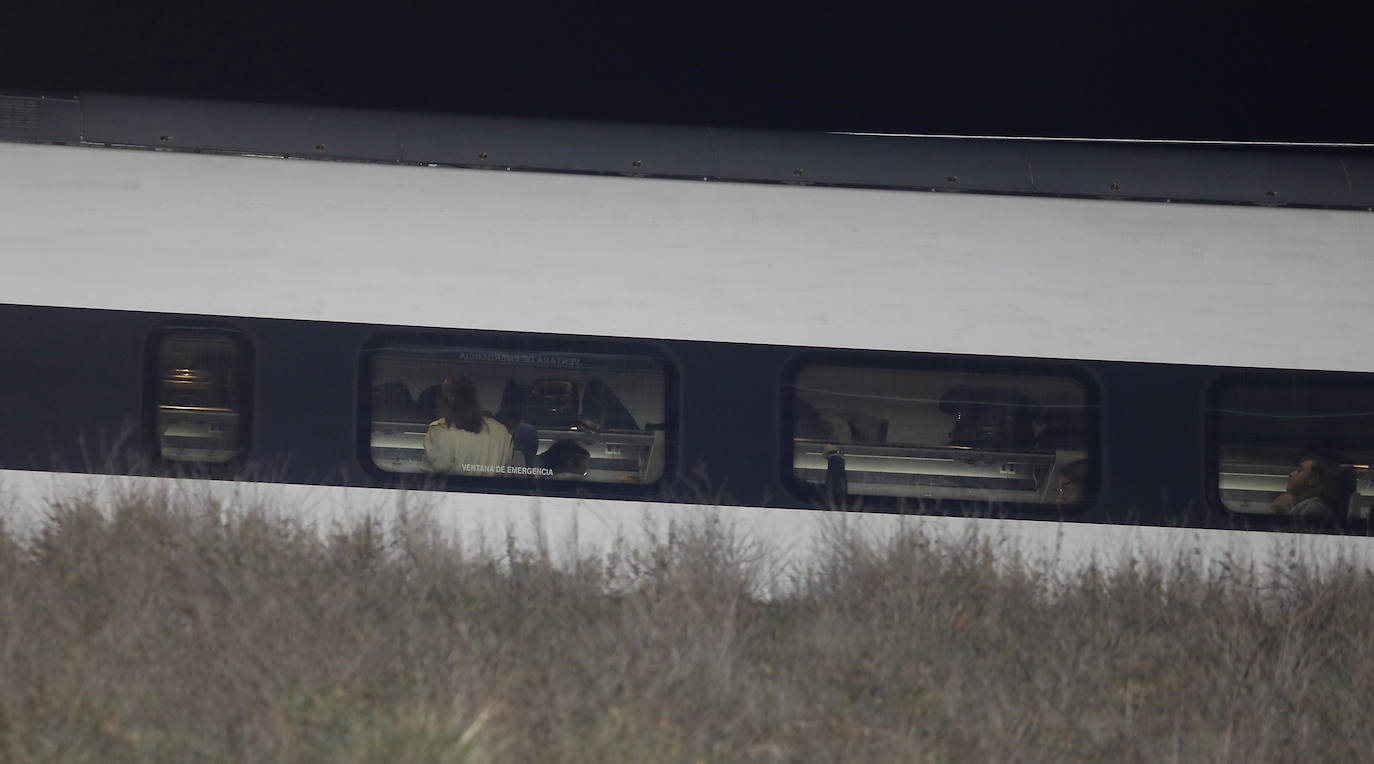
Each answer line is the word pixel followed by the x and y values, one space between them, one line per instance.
pixel 149 631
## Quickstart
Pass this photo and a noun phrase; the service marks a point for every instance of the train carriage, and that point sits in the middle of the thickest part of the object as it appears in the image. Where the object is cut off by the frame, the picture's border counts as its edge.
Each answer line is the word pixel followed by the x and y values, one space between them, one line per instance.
pixel 1055 334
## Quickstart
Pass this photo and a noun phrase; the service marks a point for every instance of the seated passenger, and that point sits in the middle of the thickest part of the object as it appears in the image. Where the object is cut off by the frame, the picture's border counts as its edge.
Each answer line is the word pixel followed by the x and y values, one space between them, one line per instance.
pixel 990 417
pixel 566 459
pixel 1308 487
pixel 525 442
pixel 428 402
pixel 602 409
pixel 823 425
pixel 524 437
pixel 1073 482
pixel 463 440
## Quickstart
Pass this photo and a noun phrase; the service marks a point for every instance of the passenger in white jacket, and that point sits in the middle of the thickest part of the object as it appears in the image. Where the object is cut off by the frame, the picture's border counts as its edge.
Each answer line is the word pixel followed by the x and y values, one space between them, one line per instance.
pixel 463 440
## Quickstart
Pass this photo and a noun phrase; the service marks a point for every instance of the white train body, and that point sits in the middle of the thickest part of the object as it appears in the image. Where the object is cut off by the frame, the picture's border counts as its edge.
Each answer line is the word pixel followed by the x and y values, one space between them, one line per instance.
pixel 810 264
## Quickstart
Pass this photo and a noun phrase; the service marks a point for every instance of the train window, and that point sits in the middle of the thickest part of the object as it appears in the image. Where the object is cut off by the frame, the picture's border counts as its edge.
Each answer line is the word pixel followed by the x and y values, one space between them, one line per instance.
pixel 475 412
pixel 1294 443
pixel 965 433
pixel 199 394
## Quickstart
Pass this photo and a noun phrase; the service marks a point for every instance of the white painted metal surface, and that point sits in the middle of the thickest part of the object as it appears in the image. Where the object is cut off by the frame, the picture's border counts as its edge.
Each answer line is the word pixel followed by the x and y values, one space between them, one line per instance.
pixel 783 541
pixel 691 260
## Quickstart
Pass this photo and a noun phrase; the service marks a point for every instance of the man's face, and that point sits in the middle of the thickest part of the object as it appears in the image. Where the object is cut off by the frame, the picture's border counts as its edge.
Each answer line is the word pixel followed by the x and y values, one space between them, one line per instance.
pixel 1301 478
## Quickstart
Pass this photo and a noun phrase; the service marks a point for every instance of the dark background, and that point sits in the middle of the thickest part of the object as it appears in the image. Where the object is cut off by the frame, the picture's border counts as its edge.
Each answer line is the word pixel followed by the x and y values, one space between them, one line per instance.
pixel 1139 72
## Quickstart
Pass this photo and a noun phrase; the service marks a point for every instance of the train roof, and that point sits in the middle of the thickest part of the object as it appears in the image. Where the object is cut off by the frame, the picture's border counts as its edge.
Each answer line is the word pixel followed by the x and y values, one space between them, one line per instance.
pixel 1330 176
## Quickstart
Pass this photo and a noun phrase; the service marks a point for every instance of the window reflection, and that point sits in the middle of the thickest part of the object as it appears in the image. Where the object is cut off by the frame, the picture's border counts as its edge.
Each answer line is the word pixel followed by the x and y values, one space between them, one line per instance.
pixel 199 396
pixel 1295 443
pixel 942 435
pixel 474 412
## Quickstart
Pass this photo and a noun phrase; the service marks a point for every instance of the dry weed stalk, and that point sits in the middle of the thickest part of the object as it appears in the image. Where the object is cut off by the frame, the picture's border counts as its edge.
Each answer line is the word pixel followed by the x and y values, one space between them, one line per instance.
pixel 159 629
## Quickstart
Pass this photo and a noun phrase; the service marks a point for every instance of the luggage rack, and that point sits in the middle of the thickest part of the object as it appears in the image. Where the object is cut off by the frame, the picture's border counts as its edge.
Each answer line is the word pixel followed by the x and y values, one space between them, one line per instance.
pixel 206 434
pixel 934 472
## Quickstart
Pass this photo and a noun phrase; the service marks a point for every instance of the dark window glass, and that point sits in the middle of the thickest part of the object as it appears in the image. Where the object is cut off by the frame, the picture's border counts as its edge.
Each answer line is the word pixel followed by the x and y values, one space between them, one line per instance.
pixel 943 435
pixel 1294 443
pixel 483 413
pixel 199 395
